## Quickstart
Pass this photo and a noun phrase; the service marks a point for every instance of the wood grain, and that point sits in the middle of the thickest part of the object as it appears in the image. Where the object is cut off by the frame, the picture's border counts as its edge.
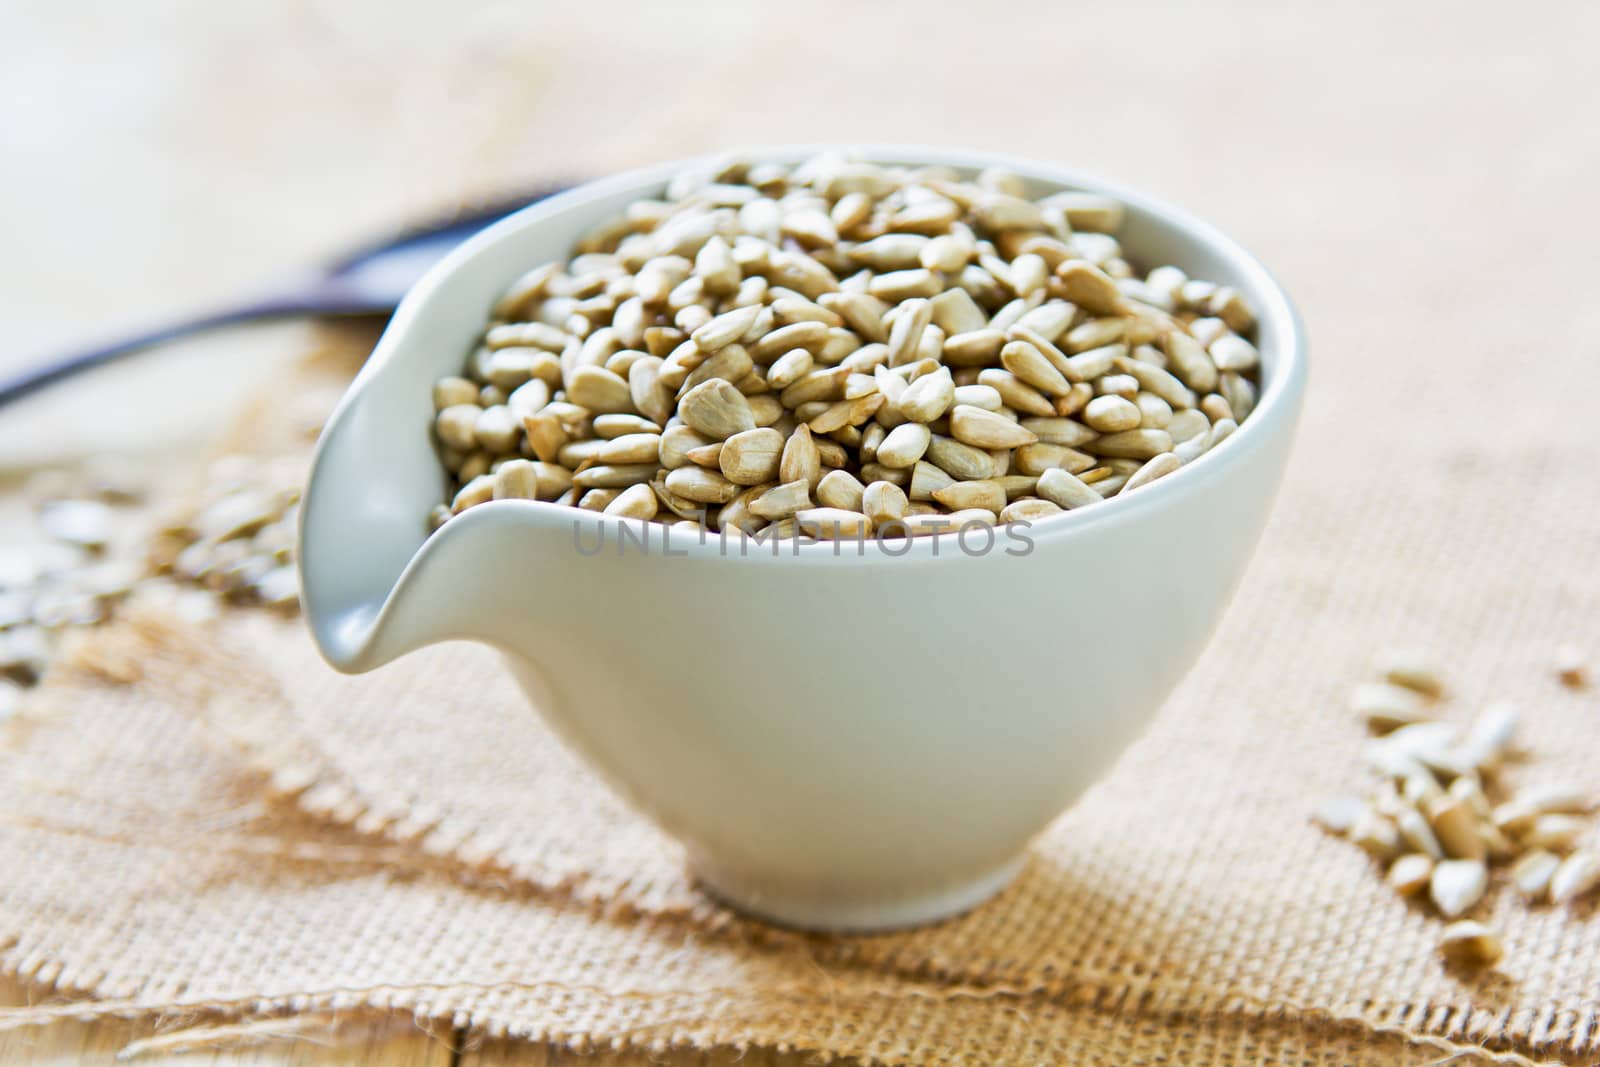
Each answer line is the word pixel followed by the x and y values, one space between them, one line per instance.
pixel 382 1043
pixel 516 1054
pixel 391 1042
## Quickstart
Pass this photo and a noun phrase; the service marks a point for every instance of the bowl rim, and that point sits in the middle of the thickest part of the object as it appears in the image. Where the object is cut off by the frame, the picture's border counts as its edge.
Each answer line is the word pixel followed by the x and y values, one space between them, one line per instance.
pixel 1279 400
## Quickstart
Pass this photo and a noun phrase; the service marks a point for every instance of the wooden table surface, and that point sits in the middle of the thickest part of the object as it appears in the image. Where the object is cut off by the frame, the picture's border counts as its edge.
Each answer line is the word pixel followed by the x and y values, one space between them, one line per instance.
pixel 391 1042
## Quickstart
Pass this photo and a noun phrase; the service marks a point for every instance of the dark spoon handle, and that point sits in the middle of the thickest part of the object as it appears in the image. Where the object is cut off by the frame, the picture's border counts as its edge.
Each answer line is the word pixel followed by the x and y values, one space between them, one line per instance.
pixel 339 292
pixel 313 303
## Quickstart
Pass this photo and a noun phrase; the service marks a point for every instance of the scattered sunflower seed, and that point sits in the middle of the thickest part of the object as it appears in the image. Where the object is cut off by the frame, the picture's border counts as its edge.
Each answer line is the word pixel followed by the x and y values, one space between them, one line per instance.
pixel 1457 885
pixel 1411 873
pixel 84 523
pixel 1431 799
pixel 1408 669
pixel 1387 707
pixel 1572 667
pixel 1471 944
pixel 1532 872
pixel 235 546
pixel 1578 875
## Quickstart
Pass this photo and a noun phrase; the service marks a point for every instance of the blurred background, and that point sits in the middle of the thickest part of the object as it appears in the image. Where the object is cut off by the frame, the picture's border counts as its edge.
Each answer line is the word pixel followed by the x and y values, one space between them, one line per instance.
pixel 162 158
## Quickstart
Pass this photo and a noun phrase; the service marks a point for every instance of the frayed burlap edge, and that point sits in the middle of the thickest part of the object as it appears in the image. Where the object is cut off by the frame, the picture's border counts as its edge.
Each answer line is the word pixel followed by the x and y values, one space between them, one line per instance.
pixel 293 772
pixel 419 1003
pixel 290 771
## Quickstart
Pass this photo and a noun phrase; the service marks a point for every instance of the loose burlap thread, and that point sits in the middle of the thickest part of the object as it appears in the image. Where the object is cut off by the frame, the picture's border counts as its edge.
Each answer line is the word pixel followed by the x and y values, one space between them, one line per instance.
pixel 207 818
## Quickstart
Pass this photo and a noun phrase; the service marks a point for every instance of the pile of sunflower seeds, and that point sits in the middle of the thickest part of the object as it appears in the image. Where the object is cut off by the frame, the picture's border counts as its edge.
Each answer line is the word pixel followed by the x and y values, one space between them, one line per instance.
pixel 103 545
pixel 81 563
pixel 1437 819
pixel 239 543
pixel 841 348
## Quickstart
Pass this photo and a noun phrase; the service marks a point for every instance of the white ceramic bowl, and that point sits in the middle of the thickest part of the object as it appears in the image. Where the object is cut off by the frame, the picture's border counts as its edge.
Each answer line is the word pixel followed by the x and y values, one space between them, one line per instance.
pixel 843 741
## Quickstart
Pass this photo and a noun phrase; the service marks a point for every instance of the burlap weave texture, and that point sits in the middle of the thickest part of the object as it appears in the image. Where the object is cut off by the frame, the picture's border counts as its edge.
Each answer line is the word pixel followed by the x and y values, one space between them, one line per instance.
pixel 210 818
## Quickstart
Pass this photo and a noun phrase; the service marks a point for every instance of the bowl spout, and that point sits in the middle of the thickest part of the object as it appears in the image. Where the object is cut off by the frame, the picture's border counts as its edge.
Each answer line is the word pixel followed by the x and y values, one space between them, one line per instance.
pixel 363 527
pixel 375 585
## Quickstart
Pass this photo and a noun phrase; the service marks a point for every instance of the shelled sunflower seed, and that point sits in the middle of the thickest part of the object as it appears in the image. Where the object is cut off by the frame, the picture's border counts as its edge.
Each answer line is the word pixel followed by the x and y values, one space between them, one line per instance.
pixel 103 544
pixel 761 327
pixel 1438 816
